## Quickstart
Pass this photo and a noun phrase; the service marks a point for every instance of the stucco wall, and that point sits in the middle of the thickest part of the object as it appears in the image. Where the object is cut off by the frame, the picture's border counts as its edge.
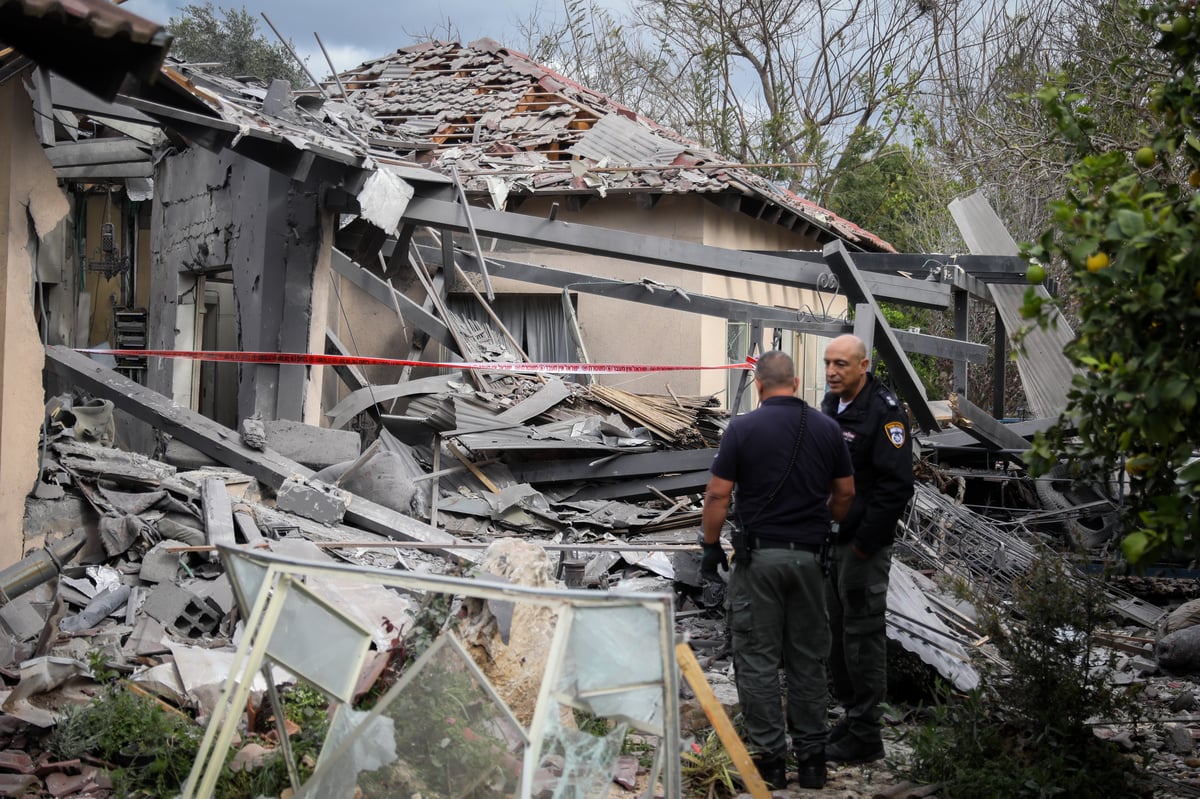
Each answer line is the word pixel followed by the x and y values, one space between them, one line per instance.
pixel 31 204
pixel 625 332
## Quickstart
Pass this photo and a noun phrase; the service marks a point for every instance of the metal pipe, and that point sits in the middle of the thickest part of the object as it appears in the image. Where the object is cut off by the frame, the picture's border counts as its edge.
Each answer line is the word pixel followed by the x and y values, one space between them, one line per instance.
pixel 39 567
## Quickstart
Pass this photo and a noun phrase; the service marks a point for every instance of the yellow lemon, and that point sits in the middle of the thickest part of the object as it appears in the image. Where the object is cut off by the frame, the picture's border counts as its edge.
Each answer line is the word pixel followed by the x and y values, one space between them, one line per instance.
pixel 1097 261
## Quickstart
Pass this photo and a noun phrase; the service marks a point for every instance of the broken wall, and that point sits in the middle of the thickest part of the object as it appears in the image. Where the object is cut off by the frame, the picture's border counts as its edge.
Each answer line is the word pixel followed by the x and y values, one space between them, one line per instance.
pixel 31 205
pixel 223 218
pixel 618 331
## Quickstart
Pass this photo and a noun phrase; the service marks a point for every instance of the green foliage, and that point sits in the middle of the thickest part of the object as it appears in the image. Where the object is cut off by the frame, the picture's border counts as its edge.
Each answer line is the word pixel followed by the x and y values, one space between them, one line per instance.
pixel 232 41
pixel 926 366
pixel 305 705
pixel 1025 731
pixel 151 750
pixel 708 769
pixel 1134 402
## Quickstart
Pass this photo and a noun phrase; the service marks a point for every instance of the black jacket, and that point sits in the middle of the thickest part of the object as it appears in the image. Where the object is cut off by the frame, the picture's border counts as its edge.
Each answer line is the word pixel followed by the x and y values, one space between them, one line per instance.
pixel 876 430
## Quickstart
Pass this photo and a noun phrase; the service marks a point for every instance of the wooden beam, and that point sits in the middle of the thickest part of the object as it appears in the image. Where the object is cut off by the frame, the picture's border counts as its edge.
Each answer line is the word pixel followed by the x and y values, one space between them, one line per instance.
pixel 690 668
pixel 994 435
pixel 88 152
pixel 886 345
pixel 381 291
pixel 572 236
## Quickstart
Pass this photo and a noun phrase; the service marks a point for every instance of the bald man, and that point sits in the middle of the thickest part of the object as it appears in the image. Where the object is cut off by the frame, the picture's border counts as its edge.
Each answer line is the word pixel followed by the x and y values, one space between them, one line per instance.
pixel 875 427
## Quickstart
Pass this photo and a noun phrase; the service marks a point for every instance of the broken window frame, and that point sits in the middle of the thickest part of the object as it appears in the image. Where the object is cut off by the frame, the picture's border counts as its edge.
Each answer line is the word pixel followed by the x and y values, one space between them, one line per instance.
pixel 263 583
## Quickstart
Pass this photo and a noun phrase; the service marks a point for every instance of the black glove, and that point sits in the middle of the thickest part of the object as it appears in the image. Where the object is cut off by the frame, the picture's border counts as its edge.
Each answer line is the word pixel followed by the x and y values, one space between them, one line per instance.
pixel 713 556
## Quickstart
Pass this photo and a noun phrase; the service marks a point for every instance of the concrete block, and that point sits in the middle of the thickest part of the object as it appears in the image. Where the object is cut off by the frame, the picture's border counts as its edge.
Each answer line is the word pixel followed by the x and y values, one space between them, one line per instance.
pixel 315 447
pixel 181 611
pixel 159 565
pixel 218 591
pixel 21 619
pixel 317 501
pixel 182 456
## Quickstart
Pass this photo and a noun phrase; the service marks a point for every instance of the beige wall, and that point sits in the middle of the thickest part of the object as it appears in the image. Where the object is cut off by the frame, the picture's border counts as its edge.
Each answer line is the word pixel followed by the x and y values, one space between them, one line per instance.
pixel 618 331
pixel 28 189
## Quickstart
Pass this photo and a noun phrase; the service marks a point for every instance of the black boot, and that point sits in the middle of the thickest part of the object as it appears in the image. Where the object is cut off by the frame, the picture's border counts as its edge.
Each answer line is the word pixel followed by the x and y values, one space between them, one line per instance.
pixel 849 749
pixel 810 771
pixel 773 771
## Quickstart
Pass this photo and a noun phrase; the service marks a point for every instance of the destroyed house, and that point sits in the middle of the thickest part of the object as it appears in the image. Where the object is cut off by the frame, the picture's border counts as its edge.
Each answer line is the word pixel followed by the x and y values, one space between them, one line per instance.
pixel 444 202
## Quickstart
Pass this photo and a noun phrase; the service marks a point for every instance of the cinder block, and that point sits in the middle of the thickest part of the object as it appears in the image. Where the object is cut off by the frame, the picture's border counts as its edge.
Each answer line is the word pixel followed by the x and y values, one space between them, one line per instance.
pixel 182 611
pixel 218 590
pixel 317 501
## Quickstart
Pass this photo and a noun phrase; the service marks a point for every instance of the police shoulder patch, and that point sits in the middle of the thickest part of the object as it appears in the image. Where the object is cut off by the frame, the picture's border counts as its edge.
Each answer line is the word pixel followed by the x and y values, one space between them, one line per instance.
pixel 895 433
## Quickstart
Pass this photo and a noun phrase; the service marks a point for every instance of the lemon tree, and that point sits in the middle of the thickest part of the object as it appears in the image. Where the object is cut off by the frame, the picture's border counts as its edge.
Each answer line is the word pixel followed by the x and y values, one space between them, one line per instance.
pixel 1132 409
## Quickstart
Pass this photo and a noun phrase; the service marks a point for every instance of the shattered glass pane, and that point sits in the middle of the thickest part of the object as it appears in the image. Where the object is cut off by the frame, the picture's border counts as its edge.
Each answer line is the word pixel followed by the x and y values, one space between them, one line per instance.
pixel 575 763
pixel 246 576
pixel 438 734
pixel 315 641
pixel 602 673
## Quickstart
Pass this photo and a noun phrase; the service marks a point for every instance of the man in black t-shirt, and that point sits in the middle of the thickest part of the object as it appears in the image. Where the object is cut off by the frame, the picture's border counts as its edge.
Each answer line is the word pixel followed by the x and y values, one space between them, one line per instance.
pixel 792 474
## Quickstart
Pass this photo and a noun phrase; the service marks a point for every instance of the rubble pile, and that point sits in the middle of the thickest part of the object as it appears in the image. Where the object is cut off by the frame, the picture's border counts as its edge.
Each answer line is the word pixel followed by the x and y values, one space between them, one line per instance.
pixel 535 486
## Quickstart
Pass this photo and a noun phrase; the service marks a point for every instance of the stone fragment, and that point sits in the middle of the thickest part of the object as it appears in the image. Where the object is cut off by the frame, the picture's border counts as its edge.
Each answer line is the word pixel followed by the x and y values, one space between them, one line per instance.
pixel 1179 652
pixel 317 501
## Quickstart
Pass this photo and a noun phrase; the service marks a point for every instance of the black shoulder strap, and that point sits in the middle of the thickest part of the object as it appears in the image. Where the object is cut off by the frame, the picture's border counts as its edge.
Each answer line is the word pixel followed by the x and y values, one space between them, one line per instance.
pixel 791 463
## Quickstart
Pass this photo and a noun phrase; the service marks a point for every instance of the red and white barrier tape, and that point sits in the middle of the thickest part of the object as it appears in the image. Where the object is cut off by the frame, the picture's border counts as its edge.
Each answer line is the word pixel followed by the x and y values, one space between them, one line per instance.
pixel 308 359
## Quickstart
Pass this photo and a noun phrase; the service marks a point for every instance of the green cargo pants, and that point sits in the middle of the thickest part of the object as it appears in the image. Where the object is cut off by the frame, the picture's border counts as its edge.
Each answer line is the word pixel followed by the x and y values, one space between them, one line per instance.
pixel 777 616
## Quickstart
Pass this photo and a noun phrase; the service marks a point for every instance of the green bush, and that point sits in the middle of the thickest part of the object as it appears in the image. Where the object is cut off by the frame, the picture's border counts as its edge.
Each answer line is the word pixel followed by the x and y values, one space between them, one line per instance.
pixel 1026 732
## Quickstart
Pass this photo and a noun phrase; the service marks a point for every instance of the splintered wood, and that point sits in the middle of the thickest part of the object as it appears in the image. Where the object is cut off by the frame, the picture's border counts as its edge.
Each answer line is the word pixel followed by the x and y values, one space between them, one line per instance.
pixel 672 418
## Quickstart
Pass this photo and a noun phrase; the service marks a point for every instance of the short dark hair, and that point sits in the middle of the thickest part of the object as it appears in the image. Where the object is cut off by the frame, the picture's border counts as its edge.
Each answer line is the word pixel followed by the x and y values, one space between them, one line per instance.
pixel 775 369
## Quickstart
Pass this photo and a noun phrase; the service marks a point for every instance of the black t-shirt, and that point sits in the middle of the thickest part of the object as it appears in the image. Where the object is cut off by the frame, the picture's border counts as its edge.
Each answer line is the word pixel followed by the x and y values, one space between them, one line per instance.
pixel 754 454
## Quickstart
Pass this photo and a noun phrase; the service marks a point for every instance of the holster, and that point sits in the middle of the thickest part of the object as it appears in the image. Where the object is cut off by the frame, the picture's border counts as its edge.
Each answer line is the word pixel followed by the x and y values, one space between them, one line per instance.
pixel 739 539
pixel 826 557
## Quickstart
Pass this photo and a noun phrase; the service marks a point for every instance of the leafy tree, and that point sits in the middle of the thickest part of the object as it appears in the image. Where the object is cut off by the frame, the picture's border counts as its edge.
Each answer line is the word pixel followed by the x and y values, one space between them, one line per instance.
pixel 1126 232
pixel 233 43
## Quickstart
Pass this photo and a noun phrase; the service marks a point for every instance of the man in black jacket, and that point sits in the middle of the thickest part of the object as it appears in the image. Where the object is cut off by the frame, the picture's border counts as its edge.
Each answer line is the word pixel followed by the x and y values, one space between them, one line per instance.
pixel 875 427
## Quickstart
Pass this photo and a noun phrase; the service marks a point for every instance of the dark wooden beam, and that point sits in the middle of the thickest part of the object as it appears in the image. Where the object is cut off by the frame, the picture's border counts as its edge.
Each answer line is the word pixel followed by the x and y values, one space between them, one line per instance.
pixel 899 367
pixel 975 422
pixel 380 290
pixel 566 470
pixel 429 210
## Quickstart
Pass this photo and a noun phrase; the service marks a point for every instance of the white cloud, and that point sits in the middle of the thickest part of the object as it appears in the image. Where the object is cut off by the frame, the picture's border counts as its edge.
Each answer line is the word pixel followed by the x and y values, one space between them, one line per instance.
pixel 343 56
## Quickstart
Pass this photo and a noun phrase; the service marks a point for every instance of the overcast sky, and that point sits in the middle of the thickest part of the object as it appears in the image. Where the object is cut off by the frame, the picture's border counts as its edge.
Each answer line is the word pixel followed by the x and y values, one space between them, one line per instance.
pixel 356 30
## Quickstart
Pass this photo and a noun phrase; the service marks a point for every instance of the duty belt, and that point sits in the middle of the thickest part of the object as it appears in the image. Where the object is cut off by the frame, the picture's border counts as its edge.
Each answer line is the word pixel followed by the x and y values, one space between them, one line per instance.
pixel 775 543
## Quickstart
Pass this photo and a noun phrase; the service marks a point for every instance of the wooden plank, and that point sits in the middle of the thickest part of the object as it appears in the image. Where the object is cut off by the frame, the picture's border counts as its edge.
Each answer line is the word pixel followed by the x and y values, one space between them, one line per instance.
pixel 381 291
pixel 130 169
pixel 96 151
pixel 218 513
pixel 720 721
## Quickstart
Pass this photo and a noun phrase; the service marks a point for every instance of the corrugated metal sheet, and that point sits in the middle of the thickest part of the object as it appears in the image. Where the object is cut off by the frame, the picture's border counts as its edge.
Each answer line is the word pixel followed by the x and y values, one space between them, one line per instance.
pixel 621 141
pixel 1045 371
